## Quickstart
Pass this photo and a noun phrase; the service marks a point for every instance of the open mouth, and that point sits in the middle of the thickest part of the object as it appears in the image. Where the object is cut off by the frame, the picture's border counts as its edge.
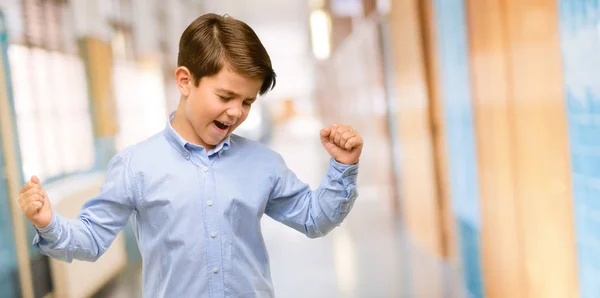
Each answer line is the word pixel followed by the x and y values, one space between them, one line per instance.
pixel 221 125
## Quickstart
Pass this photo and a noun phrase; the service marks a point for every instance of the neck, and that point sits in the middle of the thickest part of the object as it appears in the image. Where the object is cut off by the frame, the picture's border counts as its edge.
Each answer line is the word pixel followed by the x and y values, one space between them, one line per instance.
pixel 184 128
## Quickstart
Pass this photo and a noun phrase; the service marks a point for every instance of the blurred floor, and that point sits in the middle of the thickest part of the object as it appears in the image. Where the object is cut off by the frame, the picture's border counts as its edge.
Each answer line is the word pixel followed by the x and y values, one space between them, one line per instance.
pixel 368 256
pixel 359 259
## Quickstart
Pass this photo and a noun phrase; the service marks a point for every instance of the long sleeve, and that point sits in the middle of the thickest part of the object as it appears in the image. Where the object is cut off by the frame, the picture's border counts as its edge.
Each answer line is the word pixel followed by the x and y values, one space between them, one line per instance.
pixel 314 213
pixel 89 235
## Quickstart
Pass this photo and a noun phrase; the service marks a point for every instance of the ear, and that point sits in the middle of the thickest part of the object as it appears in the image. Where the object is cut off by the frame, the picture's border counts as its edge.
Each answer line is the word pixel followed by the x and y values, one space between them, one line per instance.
pixel 184 80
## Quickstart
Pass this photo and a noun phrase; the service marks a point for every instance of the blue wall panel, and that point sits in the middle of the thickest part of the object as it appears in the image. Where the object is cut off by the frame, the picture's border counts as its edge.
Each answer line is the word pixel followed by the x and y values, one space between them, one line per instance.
pixel 453 52
pixel 9 280
pixel 9 274
pixel 580 42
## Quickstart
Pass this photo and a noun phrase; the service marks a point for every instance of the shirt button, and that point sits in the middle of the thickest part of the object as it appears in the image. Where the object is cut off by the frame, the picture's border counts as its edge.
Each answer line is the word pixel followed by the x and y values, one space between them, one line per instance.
pixel 186 154
pixel 205 169
pixel 213 234
pixel 209 203
pixel 216 269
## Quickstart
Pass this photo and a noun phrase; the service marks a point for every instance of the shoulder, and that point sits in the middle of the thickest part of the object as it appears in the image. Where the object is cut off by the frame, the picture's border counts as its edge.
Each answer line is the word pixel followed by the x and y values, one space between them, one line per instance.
pixel 253 148
pixel 145 151
pixel 254 151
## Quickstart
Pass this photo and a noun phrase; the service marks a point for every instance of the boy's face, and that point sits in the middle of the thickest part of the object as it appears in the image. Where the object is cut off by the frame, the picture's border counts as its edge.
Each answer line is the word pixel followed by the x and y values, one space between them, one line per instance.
pixel 219 104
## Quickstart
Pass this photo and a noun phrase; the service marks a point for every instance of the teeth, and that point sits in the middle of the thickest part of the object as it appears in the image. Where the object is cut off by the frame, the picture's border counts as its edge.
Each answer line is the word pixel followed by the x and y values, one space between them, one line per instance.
pixel 223 125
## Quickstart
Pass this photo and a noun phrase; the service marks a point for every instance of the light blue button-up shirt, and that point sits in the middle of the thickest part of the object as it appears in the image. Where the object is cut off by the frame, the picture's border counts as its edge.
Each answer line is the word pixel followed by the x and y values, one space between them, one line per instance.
pixel 196 214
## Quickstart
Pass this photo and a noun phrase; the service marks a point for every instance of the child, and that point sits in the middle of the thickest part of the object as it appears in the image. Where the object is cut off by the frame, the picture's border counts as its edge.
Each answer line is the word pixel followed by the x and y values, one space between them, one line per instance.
pixel 195 193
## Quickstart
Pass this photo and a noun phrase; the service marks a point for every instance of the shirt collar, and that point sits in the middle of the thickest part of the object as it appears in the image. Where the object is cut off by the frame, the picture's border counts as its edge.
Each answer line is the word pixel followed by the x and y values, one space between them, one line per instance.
pixel 182 146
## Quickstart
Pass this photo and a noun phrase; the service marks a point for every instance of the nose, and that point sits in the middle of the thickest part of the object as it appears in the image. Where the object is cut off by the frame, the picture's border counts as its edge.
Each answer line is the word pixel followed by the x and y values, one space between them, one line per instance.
pixel 235 110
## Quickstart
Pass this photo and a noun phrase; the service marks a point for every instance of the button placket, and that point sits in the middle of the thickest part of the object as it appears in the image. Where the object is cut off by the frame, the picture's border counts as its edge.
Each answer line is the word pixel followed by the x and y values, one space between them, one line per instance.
pixel 211 221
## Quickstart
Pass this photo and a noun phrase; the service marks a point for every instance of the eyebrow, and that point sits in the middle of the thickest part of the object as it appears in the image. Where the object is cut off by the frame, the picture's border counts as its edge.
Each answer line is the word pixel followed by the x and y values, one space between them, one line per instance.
pixel 231 93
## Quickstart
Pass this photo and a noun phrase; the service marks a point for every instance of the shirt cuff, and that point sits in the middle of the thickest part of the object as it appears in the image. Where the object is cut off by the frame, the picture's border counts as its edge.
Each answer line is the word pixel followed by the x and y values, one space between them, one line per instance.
pixel 48 232
pixel 344 170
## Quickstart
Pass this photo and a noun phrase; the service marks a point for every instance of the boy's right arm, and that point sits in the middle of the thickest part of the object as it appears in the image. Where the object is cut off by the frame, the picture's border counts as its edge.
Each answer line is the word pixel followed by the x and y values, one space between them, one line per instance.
pixel 89 235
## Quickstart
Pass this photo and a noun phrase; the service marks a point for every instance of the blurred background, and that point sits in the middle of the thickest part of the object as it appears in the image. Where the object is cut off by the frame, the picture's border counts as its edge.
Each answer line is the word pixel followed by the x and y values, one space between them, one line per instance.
pixel 480 175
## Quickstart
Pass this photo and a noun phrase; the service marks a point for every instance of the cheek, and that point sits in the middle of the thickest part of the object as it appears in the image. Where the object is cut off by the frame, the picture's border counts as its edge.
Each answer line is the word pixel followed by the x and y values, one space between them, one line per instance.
pixel 193 109
pixel 244 115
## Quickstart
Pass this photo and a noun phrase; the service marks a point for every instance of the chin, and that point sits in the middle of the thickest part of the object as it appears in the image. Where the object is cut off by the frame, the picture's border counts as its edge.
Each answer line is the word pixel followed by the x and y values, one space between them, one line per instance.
pixel 216 141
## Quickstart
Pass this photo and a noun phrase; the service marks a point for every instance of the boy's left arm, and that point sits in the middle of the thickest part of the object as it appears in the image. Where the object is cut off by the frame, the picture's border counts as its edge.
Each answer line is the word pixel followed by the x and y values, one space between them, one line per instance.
pixel 316 213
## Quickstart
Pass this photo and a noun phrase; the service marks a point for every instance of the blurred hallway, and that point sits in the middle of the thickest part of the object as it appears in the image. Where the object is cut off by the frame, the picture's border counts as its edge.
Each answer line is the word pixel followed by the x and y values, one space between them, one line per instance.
pixel 367 257
pixel 359 259
pixel 479 178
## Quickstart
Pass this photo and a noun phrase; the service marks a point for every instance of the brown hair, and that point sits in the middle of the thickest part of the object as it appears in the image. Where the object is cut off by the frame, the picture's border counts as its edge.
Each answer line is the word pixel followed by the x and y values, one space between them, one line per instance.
pixel 211 40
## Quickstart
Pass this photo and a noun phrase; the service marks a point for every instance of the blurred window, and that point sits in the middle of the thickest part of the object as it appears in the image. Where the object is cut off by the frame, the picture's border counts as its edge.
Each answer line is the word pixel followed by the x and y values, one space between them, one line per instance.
pixel 139 91
pixel 50 92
